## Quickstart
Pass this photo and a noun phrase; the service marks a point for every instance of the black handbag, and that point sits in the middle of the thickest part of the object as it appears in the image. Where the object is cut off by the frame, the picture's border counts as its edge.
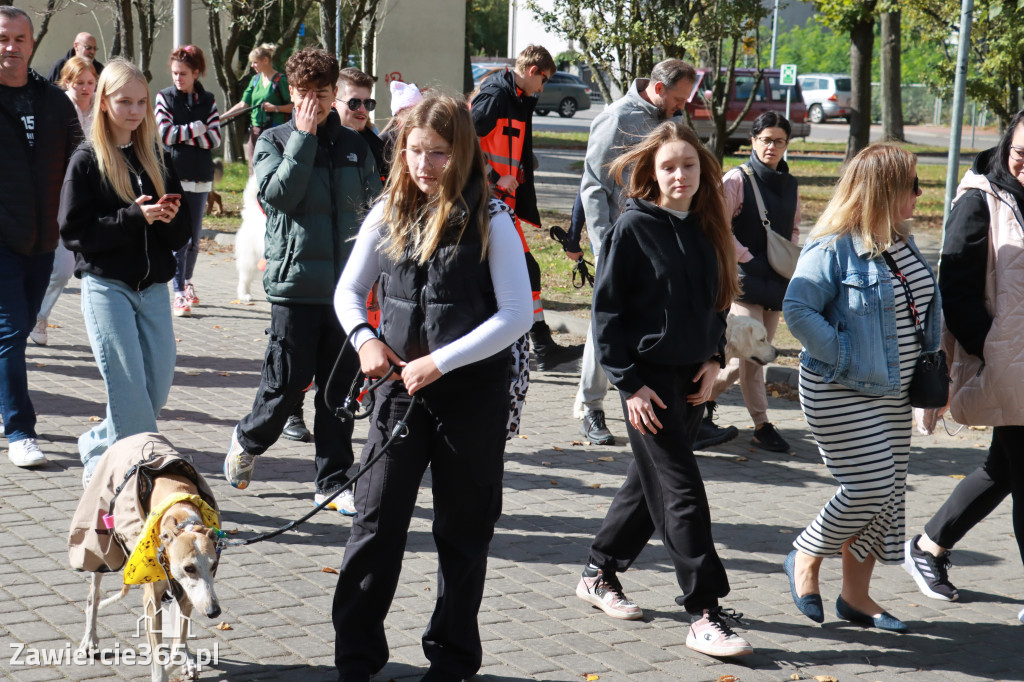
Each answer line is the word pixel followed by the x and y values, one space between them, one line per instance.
pixel 929 386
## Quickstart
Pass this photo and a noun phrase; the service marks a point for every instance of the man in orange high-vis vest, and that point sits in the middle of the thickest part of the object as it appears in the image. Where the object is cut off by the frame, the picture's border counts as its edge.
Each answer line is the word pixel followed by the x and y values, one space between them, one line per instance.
pixel 503 114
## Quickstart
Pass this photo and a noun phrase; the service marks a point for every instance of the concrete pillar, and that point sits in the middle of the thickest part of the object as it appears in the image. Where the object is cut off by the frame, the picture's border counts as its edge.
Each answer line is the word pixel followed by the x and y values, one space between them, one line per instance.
pixel 418 42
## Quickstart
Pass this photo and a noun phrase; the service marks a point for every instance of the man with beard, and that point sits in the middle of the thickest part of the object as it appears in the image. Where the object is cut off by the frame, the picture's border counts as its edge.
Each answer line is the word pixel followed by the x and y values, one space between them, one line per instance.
pixel 622 124
pixel 84 47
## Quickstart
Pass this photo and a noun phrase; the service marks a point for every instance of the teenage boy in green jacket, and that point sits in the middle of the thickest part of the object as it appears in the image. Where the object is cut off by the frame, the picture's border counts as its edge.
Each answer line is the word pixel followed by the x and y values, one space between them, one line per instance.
pixel 316 179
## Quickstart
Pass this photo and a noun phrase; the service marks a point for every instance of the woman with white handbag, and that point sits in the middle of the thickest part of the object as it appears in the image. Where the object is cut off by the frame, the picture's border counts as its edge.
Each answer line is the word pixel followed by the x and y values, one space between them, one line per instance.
pixel 761 197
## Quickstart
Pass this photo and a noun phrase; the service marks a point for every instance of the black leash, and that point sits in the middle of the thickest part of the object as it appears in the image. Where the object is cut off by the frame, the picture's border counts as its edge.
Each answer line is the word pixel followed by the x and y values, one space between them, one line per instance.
pixel 347 411
pixel 580 272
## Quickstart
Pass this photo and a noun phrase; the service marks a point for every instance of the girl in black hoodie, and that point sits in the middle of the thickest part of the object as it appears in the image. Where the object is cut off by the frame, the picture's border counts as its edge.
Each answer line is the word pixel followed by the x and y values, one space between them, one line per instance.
pixel 667 278
pixel 119 214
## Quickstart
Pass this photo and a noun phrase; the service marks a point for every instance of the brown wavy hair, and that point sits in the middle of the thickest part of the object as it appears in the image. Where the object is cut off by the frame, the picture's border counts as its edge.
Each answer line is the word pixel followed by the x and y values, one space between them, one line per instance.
pixel 419 222
pixel 708 202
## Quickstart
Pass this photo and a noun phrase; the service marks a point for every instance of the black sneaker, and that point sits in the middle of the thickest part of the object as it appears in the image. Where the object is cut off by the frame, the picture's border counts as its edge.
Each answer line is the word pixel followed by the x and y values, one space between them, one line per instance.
pixel 931 573
pixel 711 434
pixel 594 429
pixel 767 438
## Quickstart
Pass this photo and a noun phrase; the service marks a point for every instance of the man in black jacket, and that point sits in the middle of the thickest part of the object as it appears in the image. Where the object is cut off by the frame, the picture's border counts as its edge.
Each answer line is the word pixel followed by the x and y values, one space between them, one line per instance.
pixel 38 131
pixel 84 47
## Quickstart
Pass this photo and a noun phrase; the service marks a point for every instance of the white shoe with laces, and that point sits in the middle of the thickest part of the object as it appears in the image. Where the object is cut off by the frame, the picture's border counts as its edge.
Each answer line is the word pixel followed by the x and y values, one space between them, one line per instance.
pixel 710 634
pixel 38 333
pixel 344 504
pixel 25 453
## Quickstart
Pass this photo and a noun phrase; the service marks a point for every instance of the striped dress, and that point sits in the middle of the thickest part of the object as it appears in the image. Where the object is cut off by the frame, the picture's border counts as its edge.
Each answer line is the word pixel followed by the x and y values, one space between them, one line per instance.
pixel 864 441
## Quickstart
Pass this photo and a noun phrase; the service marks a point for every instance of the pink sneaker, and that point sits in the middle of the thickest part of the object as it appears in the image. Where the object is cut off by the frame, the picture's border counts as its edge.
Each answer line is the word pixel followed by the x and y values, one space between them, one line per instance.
pixel 710 635
pixel 190 295
pixel 605 592
pixel 181 307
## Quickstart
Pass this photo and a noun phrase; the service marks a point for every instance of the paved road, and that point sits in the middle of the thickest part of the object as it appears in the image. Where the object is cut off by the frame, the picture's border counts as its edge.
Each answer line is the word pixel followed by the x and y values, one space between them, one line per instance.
pixel 277 599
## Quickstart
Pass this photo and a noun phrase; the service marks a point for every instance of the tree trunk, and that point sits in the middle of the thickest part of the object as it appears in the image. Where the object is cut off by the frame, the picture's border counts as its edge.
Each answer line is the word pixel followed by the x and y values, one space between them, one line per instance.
pixel 328 19
pixel 862 42
pixel 127 29
pixel 892 102
pixel 369 42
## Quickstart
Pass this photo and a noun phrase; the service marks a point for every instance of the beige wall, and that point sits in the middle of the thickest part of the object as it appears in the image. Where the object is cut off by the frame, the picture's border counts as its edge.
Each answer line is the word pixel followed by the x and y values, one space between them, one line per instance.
pixel 421 42
pixel 95 18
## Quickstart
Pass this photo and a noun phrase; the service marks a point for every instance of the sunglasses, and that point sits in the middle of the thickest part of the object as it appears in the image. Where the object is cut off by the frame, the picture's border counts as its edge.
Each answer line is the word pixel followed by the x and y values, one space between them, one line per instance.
pixel 917 185
pixel 355 103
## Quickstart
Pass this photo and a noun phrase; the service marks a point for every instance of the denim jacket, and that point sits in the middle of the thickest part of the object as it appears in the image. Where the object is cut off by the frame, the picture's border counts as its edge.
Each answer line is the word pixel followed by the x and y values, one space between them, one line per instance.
pixel 841 306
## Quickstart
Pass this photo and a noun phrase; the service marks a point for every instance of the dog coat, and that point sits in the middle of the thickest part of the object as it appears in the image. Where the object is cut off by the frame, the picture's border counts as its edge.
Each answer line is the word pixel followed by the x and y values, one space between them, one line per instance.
pixel 94 547
pixel 144 562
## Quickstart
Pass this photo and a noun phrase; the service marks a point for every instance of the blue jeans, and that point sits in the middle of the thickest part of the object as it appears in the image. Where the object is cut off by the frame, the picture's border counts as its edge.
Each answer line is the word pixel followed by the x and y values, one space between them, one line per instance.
pixel 132 338
pixel 22 284
pixel 63 268
pixel 195 204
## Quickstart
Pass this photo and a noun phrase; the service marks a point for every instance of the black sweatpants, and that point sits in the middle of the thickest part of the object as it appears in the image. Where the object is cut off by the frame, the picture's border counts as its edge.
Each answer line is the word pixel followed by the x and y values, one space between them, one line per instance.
pixel 304 343
pixel 664 492
pixel 983 489
pixel 458 430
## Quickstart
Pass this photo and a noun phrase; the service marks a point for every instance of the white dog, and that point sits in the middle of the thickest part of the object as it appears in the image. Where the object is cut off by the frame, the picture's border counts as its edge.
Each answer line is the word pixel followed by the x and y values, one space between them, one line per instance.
pixel 249 240
pixel 746 338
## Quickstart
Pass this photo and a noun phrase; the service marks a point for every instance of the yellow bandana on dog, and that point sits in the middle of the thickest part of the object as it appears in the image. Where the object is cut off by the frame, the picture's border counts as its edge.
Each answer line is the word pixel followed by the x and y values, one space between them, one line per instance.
pixel 143 565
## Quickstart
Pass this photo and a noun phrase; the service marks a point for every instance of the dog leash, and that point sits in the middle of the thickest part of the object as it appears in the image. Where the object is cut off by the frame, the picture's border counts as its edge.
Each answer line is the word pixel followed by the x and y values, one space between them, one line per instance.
pixel 579 269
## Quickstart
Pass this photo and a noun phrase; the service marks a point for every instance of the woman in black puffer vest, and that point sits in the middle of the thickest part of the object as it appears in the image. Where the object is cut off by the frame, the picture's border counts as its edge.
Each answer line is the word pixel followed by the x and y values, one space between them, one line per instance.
pixel 454 298
pixel 763 288
pixel 189 123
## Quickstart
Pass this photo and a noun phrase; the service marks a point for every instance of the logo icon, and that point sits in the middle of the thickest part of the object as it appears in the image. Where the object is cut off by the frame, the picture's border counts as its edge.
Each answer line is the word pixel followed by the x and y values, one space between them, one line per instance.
pixel 171 622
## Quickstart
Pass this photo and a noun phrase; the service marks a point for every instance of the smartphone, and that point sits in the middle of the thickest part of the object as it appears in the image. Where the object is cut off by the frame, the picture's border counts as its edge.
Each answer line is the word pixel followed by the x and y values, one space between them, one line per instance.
pixel 169 198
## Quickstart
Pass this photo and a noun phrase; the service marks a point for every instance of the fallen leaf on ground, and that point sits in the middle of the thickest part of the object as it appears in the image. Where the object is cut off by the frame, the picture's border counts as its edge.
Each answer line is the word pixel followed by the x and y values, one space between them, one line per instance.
pixel 233 531
pixel 545 464
pixel 741 458
pixel 216 326
pixel 577 442
pixel 590 677
pixel 728 678
pixel 222 626
pixel 595 485
pixel 554 482
pixel 236 301
pixel 328 569
pixel 977 428
pixel 556 448
pixel 95 419
pixel 192 374
pixel 775 394
pixel 825 678
pixel 40 364
pixel 523 437
pixel 795 676
pixel 956 476
pixel 605 459
pixel 224 374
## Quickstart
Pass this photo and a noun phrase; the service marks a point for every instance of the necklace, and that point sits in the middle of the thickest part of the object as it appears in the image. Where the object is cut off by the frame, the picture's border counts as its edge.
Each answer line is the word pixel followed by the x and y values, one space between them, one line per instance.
pixel 124 146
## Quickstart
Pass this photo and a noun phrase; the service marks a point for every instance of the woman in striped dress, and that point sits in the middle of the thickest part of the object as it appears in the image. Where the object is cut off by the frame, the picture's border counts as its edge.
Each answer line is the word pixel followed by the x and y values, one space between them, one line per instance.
pixel 861 302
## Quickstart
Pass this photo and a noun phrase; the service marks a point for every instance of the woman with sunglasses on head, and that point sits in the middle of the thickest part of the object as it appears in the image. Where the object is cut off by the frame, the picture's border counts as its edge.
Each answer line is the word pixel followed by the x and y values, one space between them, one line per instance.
pixel 982 295
pixel 186 114
pixel 454 297
pixel 766 172
pixel 267 95
pixel 864 304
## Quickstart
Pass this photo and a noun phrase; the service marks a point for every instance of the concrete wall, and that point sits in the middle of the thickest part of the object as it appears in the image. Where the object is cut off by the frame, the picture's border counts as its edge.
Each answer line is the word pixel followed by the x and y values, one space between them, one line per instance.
pixel 419 42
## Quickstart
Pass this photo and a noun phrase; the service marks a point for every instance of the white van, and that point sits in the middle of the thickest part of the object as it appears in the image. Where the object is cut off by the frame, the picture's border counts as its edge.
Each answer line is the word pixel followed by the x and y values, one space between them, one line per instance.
pixel 827 95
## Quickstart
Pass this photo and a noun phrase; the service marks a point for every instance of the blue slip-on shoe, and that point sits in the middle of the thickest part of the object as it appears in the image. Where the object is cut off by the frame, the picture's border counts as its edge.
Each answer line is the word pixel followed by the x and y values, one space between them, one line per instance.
pixel 883 621
pixel 810 604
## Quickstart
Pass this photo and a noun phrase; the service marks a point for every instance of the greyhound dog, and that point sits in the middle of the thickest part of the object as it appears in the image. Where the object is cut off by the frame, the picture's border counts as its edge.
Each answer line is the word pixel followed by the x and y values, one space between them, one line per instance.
pixel 174 556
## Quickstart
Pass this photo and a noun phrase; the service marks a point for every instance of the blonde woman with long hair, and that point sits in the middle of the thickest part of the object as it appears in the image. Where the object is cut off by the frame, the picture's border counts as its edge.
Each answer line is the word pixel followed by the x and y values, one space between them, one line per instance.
pixel 267 95
pixel 454 297
pixel 120 214
pixel 667 278
pixel 860 293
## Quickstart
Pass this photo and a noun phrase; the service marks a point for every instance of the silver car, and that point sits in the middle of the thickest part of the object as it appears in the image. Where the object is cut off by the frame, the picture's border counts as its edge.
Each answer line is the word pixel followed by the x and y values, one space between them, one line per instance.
pixel 564 93
pixel 827 95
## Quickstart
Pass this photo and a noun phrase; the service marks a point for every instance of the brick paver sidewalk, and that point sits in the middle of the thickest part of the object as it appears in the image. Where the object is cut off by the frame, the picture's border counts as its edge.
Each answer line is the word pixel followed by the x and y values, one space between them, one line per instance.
pixel 277 598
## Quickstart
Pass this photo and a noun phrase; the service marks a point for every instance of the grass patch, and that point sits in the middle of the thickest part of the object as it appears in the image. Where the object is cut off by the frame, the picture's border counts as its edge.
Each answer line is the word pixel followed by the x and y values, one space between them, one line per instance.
pixel 801 146
pixel 546 140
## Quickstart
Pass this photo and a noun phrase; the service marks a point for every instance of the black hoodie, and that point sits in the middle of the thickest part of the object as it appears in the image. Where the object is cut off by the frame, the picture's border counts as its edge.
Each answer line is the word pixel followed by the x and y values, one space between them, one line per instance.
pixel 965 257
pixel 654 298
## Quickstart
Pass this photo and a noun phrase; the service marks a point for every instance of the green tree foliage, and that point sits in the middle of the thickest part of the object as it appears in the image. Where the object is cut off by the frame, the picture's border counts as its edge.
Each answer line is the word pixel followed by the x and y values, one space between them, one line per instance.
pixel 487 27
pixel 996 67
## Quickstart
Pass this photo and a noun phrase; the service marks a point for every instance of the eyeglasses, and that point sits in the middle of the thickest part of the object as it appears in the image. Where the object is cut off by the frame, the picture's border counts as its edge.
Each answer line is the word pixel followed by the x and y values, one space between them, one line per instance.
pixel 778 142
pixel 434 158
pixel 544 78
pixel 1017 152
pixel 355 103
pixel 917 186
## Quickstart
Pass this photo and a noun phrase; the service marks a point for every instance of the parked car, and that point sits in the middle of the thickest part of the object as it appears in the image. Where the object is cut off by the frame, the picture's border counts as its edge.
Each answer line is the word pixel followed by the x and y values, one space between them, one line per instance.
pixel 564 93
pixel 770 96
pixel 827 95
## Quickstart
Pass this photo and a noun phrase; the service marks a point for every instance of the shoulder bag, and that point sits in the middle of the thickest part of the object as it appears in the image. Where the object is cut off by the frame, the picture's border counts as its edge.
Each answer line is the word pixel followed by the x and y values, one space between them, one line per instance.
pixel 929 386
pixel 782 253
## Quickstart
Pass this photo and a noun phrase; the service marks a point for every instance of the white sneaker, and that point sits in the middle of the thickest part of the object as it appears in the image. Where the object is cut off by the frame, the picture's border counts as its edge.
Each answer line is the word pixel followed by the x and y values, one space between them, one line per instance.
pixel 25 453
pixel 344 503
pixel 710 635
pixel 38 333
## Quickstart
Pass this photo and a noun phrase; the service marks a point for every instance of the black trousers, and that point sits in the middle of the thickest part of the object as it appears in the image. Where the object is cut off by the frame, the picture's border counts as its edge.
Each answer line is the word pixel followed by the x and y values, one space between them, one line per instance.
pixel 983 489
pixel 458 430
pixel 664 492
pixel 305 341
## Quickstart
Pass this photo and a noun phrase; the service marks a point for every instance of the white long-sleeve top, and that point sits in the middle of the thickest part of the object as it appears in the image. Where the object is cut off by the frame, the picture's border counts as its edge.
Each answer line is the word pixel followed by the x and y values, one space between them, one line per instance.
pixel 508 275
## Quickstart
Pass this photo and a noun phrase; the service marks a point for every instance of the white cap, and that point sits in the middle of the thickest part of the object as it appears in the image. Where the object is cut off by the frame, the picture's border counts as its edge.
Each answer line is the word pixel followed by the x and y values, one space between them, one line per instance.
pixel 403 96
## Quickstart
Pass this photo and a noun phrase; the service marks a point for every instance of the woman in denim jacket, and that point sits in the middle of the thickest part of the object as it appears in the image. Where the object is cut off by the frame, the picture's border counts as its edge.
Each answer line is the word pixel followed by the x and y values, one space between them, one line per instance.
pixel 849 309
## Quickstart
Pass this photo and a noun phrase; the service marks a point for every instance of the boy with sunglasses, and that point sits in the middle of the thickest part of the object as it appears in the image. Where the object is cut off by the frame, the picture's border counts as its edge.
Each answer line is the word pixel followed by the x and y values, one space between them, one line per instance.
pixel 354 105
pixel 502 115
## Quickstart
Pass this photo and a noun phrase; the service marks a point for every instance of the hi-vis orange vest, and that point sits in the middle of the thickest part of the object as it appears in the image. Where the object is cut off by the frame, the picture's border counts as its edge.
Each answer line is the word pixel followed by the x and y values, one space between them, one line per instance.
pixel 503 121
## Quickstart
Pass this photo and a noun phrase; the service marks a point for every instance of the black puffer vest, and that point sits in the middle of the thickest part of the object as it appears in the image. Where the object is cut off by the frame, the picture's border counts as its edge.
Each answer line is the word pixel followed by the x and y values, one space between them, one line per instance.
pixel 761 284
pixel 424 307
pixel 191 163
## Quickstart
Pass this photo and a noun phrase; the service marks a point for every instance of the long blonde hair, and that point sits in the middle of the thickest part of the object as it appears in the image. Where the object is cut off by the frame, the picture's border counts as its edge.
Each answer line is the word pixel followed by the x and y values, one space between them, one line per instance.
pixel 113 167
pixel 422 222
pixel 708 202
pixel 866 202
